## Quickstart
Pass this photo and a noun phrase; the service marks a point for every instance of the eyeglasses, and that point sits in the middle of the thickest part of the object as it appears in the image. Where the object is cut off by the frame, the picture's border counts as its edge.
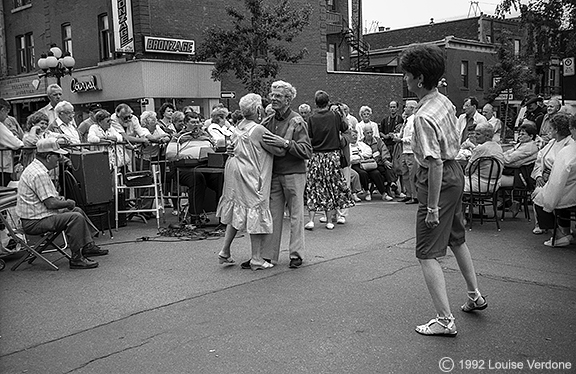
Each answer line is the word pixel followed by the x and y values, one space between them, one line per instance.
pixel 127 117
pixel 276 96
pixel 58 155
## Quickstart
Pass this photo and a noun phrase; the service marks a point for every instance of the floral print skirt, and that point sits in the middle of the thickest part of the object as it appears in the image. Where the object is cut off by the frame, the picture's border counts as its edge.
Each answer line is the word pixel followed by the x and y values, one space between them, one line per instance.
pixel 326 188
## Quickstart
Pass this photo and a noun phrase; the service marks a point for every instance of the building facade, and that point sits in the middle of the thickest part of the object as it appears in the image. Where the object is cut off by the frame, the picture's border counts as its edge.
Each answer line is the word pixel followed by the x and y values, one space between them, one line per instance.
pixel 143 53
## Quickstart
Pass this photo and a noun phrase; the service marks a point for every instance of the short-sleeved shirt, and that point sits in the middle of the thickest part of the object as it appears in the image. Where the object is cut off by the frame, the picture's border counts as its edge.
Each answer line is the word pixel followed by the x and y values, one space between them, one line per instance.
pixel 324 128
pixel 34 187
pixel 436 132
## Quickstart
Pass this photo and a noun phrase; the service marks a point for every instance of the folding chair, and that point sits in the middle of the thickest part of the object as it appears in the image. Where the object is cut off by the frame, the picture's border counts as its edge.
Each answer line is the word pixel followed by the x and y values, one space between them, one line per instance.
pixel 483 192
pixel 45 245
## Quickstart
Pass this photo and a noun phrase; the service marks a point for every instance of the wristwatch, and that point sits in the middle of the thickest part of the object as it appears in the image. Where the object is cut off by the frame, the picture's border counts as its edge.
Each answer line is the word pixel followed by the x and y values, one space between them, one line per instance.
pixel 286 143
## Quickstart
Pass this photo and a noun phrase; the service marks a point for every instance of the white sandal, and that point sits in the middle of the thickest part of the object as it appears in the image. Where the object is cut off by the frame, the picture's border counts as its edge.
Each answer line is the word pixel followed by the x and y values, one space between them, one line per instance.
pixel 438 326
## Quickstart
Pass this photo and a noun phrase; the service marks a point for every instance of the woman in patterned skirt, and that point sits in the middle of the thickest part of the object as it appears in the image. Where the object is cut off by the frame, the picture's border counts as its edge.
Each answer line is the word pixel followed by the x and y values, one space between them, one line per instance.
pixel 326 188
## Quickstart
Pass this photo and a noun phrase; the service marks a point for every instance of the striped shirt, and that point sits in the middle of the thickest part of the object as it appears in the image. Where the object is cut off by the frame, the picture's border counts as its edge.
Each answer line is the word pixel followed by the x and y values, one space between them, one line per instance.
pixel 436 132
pixel 34 187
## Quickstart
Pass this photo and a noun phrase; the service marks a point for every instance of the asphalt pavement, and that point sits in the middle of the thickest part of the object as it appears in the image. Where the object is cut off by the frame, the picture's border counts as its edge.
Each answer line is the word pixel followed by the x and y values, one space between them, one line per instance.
pixel 164 305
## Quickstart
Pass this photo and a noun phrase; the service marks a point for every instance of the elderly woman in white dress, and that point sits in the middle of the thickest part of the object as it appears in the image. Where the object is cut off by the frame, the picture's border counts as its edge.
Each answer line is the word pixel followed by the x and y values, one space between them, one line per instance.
pixel 245 201
pixel 365 114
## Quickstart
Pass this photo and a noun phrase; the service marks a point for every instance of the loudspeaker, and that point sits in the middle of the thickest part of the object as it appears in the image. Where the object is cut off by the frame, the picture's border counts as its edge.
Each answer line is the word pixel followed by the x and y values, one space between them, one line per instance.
pixel 92 171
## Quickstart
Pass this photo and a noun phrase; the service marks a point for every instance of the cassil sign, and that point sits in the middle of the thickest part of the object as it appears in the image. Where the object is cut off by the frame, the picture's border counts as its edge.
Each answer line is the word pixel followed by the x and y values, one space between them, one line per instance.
pixel 167 45
pixel 85 84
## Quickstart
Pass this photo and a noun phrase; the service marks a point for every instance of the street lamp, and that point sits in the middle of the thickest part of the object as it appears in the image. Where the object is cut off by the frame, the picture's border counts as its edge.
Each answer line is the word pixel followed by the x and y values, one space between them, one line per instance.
pixel 54 65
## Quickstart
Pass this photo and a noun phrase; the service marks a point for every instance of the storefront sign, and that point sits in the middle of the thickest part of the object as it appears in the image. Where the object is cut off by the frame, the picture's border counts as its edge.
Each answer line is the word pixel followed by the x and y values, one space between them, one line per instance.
pixel 85 84
pixel 21 87
pixel 167 45
pixel 123 29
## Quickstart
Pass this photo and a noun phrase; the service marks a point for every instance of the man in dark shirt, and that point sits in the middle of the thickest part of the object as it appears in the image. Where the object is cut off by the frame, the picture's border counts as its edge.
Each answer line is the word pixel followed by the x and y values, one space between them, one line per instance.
pixel 289 130
pixel 390 124
pixel 535 112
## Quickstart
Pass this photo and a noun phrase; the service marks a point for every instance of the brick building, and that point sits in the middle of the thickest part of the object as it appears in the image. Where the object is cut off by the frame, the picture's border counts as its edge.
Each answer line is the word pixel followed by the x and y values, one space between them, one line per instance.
pixel 469 49
pixel 142 53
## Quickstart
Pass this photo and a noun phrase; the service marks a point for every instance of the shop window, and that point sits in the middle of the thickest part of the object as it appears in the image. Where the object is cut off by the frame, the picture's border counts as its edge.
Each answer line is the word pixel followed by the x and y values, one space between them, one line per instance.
pixel 67 37
pixel 25 53
pixel 105 37
pixel 464 73
pixel 480 74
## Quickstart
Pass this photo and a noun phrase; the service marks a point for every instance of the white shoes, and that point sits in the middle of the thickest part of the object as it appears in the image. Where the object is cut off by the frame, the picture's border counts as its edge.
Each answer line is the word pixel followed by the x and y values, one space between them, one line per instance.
pixel 356 198
pixel 330 226
pixel 310 225
pixel 341 220
pixel 368 197
pixel 387 197
pixel 559 242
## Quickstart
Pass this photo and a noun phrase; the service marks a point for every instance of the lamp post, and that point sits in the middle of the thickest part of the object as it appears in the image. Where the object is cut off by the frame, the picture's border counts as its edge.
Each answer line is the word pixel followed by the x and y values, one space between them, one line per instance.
pixel 55 65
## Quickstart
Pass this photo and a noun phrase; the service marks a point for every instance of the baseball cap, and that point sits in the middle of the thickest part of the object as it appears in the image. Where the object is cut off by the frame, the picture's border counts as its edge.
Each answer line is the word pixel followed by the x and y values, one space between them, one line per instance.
pixel 47 145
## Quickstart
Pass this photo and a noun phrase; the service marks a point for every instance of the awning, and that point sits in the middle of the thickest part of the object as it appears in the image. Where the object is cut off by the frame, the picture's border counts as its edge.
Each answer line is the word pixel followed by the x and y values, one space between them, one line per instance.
pixel 29 99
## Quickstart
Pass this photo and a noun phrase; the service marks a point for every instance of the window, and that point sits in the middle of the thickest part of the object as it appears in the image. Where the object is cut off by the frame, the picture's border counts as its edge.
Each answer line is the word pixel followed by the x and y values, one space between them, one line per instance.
pixel 21 3
pixel 330 5
pixel 464 73
pixel 480 74
pixel 331 57
pixel 105 37
pixel 516 47
pixel 67 37
pixel 25 53
pixel 488 38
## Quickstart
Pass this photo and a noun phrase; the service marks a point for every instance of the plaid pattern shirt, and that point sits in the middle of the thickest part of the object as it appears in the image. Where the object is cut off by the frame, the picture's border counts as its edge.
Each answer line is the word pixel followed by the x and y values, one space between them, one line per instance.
pixel 34 187
pixel 436 132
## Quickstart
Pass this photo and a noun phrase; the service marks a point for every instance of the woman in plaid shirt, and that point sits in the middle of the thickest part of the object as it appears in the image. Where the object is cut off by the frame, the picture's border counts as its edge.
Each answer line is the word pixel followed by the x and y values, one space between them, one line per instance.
pixel 440 185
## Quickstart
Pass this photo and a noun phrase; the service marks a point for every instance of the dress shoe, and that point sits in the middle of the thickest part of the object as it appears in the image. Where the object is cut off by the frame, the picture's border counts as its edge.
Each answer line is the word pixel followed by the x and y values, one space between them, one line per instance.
pixel 246 264
pixel 295 262
pixel 263 266
pixel 411 201
pixel 83 263
pixel 92 250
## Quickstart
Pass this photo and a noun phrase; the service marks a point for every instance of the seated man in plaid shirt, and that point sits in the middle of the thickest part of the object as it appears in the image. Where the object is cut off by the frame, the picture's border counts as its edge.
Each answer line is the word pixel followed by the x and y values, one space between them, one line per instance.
pixel 42 210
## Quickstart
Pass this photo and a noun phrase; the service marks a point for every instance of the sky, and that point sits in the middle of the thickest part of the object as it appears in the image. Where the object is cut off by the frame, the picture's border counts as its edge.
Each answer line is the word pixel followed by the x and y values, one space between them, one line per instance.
pixel 398 14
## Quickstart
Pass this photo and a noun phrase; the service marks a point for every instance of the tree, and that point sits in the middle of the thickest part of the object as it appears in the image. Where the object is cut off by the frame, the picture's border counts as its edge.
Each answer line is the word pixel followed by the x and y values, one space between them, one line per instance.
pixel 513 75
pixel 256 44
pixel 550 26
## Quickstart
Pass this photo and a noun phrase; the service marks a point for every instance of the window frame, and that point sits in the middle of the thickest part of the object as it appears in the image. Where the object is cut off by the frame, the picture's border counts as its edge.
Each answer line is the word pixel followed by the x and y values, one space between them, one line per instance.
pixel 105 38
pixel 25 53
pixel 465 74
pixel 66 39
pixel 480 74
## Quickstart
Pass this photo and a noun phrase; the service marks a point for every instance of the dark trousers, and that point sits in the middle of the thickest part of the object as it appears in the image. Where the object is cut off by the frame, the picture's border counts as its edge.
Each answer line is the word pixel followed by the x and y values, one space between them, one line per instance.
pixel 372 175
pixel 197 183
pixel 548 220
pixel 74 224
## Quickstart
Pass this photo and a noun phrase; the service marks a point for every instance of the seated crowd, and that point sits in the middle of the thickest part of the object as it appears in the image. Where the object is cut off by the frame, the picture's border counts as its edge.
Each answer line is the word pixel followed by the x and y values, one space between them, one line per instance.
pixel 374 157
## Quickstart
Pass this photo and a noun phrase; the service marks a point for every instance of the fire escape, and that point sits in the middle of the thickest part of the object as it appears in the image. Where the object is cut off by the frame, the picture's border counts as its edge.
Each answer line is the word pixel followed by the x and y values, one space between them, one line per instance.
pixel 359 50
pixel 360 56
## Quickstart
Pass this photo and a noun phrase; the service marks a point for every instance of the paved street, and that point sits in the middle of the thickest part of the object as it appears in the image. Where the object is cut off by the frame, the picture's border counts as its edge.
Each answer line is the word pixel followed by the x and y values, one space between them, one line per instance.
pixel 166 306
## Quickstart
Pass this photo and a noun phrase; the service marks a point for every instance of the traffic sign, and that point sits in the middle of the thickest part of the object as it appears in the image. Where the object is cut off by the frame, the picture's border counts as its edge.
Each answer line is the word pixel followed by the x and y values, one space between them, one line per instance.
pixel 568 64
pixel 227 94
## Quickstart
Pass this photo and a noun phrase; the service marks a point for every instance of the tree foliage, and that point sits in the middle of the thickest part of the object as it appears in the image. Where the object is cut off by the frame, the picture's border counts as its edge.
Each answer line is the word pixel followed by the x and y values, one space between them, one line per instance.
pixel 550 24
pixel 257 42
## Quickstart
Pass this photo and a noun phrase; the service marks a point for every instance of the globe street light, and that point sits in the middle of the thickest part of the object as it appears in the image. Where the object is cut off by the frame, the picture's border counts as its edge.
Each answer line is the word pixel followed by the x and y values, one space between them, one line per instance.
pixel 55 65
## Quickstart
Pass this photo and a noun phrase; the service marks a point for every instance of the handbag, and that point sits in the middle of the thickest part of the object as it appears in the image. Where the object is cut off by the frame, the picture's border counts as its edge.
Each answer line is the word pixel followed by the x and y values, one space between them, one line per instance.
pixel 369 164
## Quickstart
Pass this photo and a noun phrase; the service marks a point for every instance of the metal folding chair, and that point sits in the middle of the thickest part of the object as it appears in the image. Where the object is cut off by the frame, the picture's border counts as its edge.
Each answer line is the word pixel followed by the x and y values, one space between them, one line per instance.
pixel 483 192
pixel 38 250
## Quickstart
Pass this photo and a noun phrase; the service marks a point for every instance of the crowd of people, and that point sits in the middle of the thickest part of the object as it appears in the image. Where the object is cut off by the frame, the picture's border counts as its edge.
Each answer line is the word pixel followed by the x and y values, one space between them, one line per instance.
pixel 283 162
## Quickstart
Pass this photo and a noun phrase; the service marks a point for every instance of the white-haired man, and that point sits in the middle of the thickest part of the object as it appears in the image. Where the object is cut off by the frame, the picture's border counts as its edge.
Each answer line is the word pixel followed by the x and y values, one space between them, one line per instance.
pixel 54 93
pixel 290 131
pixel 64 125
pixel 488 112
pixel 407 162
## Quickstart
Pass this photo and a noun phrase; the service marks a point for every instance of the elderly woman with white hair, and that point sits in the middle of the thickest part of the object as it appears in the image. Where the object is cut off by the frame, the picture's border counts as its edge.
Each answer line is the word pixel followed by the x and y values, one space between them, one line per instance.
pixel 483 133
pixel 219 128
pixel 552 107
pixel 245 201
pixel 365 114
pixel 149 121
